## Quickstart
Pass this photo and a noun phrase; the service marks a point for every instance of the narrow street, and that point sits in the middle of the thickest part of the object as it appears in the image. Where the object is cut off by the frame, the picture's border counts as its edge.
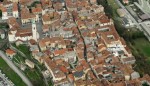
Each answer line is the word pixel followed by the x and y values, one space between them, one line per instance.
pixel 85 54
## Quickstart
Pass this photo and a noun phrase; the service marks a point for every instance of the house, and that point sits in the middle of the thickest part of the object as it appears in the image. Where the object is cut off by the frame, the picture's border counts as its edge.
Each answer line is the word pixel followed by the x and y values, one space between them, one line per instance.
pixel 97 8
pixel 90 56
pixel 127 70
pixel 39 56
pixel 60 52
pixel 62 33
pixel 37 10
pixel 46 6
pixel 80 83
pixel 27 17
pixel 79 75
pixel 4 12
pixel 126 1
pixel 71 6
pixel 16 1
pixel 13 24
pixel 93 1
pixel 59 6
pixel 110 37
pixel 2 34
pixel 45 28
pixel 22 67
pixel 24 3
pixel 29 63
pixel 135 75
pixel 50 18
pixel 32 42
pixel 15 10
pixel 68 56
pixel 9 9
pixel 63 82
pixel 127 60
pixel 46 73
pixel 19 42
pixel 70 77
pixel 56 73
pixel 34 48
pixel 10 53
pixel 104 21
pixel 53 42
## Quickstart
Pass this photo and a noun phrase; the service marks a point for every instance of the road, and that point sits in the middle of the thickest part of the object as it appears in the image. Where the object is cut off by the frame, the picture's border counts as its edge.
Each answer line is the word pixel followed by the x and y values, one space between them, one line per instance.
pixel 5 40
pixel 130 16
pixel 22 76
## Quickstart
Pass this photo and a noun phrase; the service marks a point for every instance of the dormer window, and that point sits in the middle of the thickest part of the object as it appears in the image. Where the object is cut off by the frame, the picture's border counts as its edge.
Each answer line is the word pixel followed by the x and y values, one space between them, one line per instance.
pixel 103 29
pixel 110 37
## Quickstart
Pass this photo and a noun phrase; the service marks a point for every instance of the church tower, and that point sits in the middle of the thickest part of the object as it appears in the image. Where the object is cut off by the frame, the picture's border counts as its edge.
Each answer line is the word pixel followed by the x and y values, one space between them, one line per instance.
pixel 34 31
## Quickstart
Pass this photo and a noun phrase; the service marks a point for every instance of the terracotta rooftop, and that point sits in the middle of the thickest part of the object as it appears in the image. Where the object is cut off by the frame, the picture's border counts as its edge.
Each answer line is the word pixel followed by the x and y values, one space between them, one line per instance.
pixel 10 51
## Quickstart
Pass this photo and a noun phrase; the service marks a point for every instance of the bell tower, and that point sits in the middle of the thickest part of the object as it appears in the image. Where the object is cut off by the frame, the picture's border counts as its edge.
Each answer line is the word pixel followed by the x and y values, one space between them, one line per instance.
pixel 34 30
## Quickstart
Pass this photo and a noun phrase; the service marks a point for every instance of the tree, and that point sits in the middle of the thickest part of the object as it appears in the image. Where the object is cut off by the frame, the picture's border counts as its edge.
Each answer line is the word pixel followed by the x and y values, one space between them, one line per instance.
pixel 0 13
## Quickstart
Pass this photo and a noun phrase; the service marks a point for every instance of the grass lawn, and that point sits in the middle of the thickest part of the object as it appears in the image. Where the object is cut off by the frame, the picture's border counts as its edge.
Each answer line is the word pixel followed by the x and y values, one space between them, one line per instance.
pixel 113 4
pixel 34 76
pixel 143 46
pixel 140 48
pixel 11 74
pixel 24 49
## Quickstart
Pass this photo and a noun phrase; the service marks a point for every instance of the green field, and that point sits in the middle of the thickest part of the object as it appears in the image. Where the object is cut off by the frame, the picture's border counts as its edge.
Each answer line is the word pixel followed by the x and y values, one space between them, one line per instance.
pixel 141 50
pixel 11 74
pixel 143 46
pixel 113 4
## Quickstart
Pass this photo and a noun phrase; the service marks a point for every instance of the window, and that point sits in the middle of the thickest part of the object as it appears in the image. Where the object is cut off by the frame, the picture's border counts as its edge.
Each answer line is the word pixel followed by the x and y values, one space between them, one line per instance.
pixel 110 36
pixel 103 29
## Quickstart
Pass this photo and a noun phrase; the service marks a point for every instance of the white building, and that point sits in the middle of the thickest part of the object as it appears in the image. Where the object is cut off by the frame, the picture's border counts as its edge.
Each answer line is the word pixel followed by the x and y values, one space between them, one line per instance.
pixel 9 10
pixel 24 34
pixel 29 63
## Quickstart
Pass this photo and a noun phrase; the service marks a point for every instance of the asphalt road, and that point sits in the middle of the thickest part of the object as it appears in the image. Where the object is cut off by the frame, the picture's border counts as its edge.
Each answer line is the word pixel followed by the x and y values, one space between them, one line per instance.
pixel 10 63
